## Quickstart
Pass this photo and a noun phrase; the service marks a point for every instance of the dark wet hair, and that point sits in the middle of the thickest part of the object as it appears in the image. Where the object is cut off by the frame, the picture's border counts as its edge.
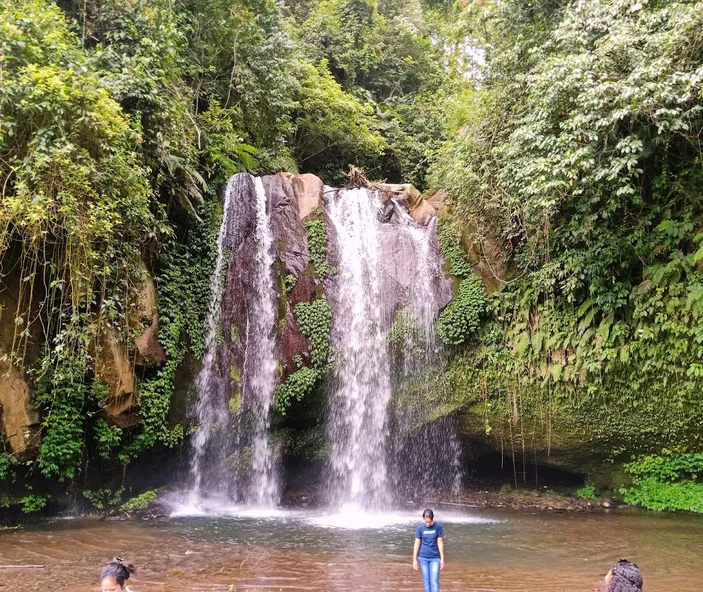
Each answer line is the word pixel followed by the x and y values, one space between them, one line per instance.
pixel 428 514
pixel 626 577
pixel 119 569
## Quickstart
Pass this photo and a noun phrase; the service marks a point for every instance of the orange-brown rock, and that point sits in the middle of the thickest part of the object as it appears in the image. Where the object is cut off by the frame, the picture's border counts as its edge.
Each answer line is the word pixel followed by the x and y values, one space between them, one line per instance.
pixel 146 320
pixel 487 257
pixel 308 189
pixel 406 194
pixel 423 213
pixel 436 200
pixel 19 420
pixel 114 367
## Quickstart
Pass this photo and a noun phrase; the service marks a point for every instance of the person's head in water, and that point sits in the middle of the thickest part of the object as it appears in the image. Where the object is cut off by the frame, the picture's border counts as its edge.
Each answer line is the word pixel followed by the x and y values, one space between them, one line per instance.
pixel 114 575
pixel 623 577
pixel 428 517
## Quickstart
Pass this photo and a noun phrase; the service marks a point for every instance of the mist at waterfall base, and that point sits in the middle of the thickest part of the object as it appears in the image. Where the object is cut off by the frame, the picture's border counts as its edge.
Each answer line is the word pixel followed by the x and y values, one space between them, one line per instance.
pixel 386 292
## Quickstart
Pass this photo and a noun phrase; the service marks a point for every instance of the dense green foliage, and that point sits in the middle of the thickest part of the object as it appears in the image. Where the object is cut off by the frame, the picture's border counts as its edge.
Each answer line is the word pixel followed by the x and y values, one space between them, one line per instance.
pixel 567 138
pixel 579 156
pixel 315 322
pixel 666 482
pixel 586 492
pixel 317 247
pixel 462 316
pixel 140 501
pixel 119 119
pixel 295 387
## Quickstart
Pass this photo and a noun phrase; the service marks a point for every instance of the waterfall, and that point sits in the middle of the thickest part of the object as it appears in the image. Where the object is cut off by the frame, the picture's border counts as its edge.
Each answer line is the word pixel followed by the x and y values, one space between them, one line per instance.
pixel 231 458
pixel 260 363
pixel 387 422
pixel 386 296
pixel 358 426
pixel 427 457
pixel 209 410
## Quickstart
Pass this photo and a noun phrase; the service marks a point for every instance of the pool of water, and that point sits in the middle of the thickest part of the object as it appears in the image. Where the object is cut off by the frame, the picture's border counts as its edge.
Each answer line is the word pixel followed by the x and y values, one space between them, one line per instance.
pixel 296 550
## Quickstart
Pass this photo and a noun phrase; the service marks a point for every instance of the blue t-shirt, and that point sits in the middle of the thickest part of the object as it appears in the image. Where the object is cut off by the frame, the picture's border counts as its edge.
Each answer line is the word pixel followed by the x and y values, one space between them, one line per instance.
pixel 428 536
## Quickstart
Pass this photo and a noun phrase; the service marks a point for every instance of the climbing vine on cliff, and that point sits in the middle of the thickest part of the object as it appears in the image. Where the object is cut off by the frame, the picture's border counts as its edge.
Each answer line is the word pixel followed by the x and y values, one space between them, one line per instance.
pixel 184 294
pixel 317 247
pixel 452 252
pixel 315 321
pixel 463 315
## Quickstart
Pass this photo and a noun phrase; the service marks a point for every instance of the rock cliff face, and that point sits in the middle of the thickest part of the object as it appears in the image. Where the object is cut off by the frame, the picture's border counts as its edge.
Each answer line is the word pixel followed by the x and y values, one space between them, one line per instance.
pixel 19 420
pixel 118 357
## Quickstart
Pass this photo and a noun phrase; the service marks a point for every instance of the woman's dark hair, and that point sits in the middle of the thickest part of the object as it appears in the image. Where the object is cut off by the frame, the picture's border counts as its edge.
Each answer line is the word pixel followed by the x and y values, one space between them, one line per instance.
pixel 626 577
pixel 118 569
pixel 428 514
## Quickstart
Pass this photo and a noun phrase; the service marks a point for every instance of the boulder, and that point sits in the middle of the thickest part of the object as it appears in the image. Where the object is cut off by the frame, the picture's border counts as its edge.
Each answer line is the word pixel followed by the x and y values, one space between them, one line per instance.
pixel 293 343
pixel 19 420
pixel 398 259
pixel 303 291
pixel 403 191
pixel 488 260
pixel 149 348
pixel 114 367
pixel 423 213
pixel 410 197
pixel 308 191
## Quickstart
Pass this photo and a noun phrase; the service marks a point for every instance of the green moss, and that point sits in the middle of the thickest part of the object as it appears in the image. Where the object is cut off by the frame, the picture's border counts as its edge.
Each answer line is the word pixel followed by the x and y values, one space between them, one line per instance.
pixel 235 403
pixel 140 502
pixel 402 327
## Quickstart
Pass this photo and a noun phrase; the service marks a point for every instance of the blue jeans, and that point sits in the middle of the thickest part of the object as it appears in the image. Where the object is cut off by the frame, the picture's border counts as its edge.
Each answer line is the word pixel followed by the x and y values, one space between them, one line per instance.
pixel 430 573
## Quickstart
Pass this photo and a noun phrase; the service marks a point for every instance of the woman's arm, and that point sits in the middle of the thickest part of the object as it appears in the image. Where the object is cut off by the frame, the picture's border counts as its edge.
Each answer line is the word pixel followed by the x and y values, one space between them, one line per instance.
pixel 416 548
pixel 440 546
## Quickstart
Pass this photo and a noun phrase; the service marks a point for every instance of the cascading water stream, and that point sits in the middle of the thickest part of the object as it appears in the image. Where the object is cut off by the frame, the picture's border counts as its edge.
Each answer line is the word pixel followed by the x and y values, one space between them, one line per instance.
pixel 432 456
pixel 260 363
pixel 383 389
pixel 358 427
pixel 223 433
pixel 208 411
pixel 389 279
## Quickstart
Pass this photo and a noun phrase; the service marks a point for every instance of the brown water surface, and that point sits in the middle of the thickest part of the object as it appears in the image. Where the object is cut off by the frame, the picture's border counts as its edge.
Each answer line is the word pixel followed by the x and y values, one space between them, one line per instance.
pixel 519 551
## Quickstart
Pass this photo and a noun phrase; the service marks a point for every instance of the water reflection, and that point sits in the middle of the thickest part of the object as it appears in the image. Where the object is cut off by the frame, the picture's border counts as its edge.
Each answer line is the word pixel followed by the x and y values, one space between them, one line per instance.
pixel 486 551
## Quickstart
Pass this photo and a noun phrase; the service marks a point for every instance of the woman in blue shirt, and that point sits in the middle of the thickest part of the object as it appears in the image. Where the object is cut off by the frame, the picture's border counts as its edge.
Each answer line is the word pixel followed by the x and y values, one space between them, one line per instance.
pixel 428 552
